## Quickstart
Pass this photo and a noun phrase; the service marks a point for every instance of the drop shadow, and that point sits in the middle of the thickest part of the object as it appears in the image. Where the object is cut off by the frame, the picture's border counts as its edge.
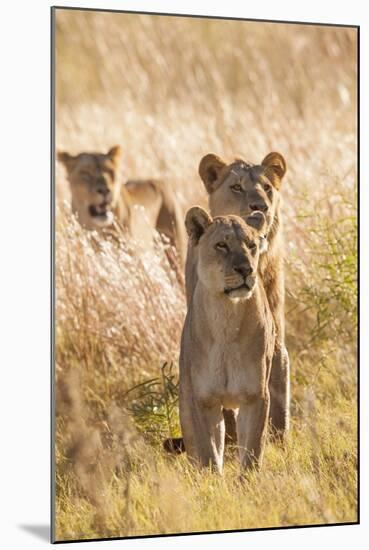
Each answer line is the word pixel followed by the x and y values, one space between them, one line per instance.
pixel 40 531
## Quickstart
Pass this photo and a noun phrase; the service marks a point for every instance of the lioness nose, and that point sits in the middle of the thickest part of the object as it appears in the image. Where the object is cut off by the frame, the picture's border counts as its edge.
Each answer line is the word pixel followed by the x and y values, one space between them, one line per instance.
pixel 243 269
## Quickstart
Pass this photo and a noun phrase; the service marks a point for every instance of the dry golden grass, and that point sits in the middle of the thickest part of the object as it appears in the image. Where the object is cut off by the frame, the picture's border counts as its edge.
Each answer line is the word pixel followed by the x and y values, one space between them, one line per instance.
pixel 170 90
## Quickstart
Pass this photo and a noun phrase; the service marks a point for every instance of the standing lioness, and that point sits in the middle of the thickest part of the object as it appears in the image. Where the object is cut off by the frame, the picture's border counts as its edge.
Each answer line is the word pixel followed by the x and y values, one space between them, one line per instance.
pixel 227 341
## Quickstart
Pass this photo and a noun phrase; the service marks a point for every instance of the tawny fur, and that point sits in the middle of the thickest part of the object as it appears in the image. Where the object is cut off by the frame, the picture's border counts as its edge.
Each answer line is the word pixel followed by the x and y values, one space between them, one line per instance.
pixel 99 197
pixel 227 341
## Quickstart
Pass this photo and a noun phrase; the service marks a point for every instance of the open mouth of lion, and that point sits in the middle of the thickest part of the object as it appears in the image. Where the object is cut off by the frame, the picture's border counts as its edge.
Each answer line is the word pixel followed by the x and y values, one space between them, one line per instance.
pixel 243 287
pixel 99 211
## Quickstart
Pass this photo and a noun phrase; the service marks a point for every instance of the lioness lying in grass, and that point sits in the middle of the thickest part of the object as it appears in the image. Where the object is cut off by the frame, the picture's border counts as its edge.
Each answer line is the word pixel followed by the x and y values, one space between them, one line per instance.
pixel 227 341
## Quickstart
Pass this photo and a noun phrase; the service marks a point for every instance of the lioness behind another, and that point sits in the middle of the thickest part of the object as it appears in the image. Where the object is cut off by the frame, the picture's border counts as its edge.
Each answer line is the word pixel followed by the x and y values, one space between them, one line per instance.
pixel 227 341
pixel 99 197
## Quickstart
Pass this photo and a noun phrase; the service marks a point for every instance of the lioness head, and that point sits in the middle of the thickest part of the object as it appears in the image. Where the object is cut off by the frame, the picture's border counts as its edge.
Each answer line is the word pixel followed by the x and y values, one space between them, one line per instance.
pixel 228 250
pixel 94 183
pixel 240 187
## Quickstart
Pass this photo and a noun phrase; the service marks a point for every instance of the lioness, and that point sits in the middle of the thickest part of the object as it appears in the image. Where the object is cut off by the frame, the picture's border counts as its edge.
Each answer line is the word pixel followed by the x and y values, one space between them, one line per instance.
pixel 227 341
pixel 99 197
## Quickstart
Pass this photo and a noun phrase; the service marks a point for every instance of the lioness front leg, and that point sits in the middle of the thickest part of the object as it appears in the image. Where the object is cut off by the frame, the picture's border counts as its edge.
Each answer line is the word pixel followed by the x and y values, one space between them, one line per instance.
pixel 252 423
pixel 203 433
pixel 279 386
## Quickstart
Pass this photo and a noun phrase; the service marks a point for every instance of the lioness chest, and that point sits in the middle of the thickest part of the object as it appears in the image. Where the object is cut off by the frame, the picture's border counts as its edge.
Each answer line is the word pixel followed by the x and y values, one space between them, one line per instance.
pixel 230 368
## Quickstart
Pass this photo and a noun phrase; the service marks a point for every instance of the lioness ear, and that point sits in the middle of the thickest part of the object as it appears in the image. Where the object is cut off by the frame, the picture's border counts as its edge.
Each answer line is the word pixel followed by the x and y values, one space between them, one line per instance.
pixel 276 168
pixel 67 159
pixel 197 221
pixel 257 220
pixel 115 154
pixel 209 170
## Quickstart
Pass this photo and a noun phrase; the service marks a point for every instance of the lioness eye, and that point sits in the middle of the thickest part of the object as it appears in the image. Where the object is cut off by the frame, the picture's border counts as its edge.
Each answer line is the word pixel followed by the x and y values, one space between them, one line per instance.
pixel 252 247
pixel 267 187
pixel 236 187
pixel 221 246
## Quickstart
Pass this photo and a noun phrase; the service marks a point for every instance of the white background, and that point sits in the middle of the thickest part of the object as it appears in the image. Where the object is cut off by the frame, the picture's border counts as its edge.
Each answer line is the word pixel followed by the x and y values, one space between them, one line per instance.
pixel 25 269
